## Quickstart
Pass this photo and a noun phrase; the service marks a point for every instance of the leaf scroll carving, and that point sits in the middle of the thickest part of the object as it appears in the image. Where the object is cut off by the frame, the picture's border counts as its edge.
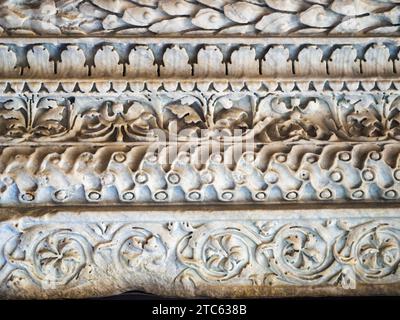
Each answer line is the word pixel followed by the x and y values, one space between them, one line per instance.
pixel 53 17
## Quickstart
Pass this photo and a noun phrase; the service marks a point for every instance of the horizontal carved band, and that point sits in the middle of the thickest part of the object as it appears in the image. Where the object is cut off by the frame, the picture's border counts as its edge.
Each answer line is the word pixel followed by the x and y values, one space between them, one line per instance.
pixel 97 17
pixel 251 117
pixel 77 61
pixel 232 253
pixel 167 146
pixel 111 87
pixel 207 173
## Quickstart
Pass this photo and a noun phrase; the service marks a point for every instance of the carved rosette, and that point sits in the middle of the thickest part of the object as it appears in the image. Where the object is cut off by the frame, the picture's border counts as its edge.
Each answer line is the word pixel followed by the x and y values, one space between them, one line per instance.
pixel 298 253
pixel 373 250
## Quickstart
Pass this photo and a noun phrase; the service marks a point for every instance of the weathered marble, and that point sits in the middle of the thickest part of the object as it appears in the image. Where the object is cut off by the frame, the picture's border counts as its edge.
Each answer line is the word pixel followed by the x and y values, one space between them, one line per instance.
pixel 199 148
pixel 222 252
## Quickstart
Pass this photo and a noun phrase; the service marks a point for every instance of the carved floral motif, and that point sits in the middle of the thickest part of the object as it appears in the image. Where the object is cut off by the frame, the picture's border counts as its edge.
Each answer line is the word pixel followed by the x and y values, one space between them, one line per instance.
pixel 59 257
pixel 314 252
pixel 197 101
pixel 245 116
pixel 306 254
pixel 27 119
pixel 114 121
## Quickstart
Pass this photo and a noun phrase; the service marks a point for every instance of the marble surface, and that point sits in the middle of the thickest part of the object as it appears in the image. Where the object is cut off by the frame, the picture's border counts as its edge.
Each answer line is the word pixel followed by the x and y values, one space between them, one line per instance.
pixel 218 252
pixel 199 148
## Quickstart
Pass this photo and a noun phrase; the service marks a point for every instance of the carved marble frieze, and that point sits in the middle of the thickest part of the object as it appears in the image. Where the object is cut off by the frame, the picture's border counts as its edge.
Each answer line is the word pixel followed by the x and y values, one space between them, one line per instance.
pixel 256 117
pixel 314 59
pixel 273 173
pixel 199 148
pixel 199 17
pixel 64 254
pixel 174 147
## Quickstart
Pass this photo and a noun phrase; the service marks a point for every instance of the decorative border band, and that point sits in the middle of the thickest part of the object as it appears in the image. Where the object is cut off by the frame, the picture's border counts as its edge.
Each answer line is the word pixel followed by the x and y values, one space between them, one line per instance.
pixel 168 60
pixel 199 173
pixel 250 117
pixel 121 120
pixel 66 254
pixel 199 17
